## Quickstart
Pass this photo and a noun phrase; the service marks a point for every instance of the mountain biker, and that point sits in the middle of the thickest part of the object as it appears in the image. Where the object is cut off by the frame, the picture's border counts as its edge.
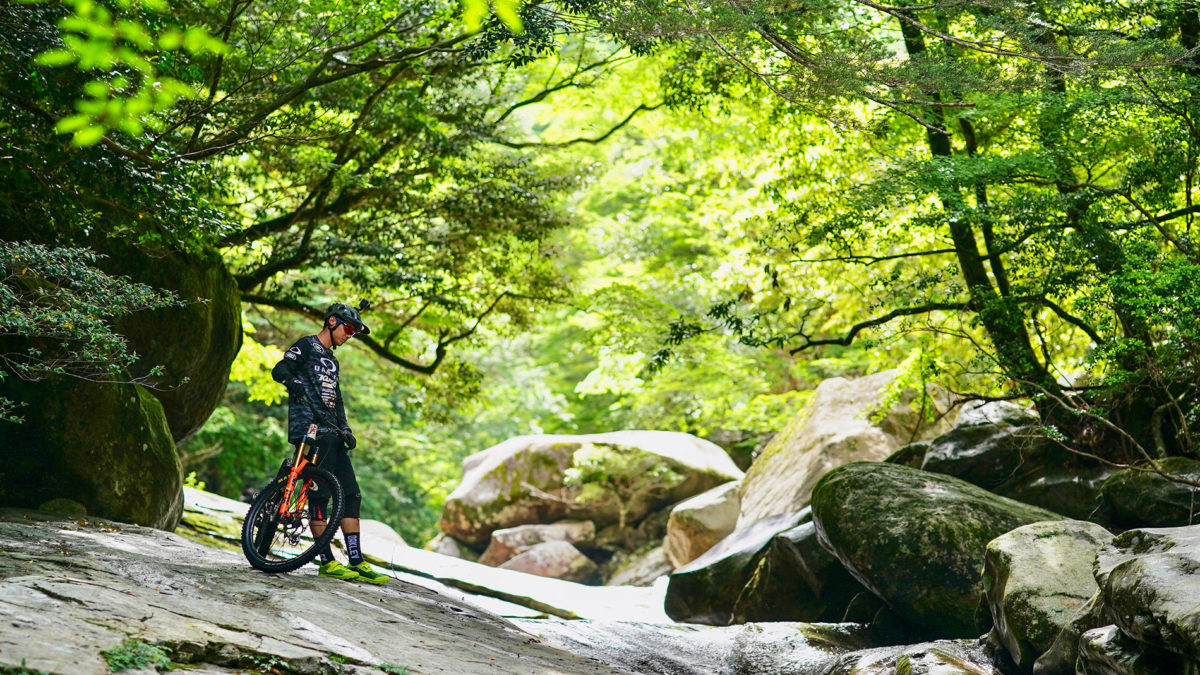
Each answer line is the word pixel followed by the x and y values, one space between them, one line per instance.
pixel 311 373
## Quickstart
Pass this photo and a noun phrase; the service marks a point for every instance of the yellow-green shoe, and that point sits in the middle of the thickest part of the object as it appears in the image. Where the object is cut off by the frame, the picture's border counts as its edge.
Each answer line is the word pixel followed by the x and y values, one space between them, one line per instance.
pixel 365 573
pixel 337 570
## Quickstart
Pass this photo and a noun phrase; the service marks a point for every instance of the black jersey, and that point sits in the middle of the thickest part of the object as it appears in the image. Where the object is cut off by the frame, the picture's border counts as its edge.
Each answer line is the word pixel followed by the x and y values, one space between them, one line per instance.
pixel 314 368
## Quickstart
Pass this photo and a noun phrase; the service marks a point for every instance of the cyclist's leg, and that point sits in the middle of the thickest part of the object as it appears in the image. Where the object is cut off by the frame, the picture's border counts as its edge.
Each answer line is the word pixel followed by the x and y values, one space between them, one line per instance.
pixel 328 447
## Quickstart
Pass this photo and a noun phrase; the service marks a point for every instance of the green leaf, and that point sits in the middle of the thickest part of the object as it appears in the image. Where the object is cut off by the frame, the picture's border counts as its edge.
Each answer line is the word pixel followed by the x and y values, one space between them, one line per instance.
pixel 87 136
pixel 56 57
pixel 506 10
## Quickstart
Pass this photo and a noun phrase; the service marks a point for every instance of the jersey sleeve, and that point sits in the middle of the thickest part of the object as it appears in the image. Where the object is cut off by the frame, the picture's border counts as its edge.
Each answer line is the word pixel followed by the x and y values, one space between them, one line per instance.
pixel 289 367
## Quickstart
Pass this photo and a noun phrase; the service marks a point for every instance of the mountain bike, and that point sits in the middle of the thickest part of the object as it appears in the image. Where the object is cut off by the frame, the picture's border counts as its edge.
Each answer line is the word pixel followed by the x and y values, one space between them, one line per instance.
pixel 276 533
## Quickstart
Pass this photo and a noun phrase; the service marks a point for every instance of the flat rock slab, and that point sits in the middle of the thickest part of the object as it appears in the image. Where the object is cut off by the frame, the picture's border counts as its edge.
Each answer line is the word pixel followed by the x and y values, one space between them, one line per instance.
pixel 70 588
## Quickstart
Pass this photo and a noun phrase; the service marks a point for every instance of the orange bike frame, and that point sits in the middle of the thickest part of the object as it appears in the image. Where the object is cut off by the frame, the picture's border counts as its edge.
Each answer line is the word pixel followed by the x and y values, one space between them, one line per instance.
pixel 301 460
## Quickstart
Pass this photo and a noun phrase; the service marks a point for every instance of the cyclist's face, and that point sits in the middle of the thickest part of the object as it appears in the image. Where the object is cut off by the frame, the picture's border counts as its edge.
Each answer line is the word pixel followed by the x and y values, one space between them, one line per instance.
pixel 342 333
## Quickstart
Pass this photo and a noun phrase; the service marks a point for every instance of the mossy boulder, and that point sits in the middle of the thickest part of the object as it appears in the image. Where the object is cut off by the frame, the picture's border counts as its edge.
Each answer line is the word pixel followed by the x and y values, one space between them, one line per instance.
pixel 1149 581
pixel 196 343
pixel 795 579
pixel 521 481
pixel 706 589
pixel 105 446
pixel 840 424
pixel 1139 497
pixel 916 539
pixel 1036 578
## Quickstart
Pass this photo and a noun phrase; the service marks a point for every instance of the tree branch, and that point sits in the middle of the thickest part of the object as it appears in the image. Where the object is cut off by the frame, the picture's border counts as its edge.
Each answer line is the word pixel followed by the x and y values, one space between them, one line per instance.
pixel 857 328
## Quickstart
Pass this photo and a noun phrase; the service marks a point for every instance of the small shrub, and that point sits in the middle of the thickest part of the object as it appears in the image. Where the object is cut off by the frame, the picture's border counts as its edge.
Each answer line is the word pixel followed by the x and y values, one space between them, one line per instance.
pixel 136 654
pixel 393 670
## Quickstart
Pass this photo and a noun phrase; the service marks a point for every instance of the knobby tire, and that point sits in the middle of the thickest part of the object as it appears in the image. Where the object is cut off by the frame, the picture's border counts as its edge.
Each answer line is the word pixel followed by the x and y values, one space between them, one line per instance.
pixel 264 536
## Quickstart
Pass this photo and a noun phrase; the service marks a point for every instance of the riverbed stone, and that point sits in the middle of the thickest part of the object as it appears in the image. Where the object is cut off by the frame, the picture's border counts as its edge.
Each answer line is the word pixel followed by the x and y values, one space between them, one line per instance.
pixel 916 539
pixel 1138 497
pixel 836 427
pixel 106 446
pixel 507 543
pixel 1036 578
pixel 697 524
pixel 640 568
pixel 520 481
pixel 706 589
pixel 1064 651
pixel 554 559
pixel 1108 651
pixel 795 579
pixel 1149 580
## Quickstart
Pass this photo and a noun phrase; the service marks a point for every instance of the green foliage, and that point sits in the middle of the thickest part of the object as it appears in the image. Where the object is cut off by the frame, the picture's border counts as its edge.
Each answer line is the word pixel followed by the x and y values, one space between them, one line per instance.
pixel 252 368
pixel 392 670
pixel 118 45
pixel 136 654
pixel 22 670
pixel 60 309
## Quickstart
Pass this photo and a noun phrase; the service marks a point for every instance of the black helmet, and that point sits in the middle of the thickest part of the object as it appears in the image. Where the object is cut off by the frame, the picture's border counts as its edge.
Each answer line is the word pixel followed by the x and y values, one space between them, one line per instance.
pixel 347 314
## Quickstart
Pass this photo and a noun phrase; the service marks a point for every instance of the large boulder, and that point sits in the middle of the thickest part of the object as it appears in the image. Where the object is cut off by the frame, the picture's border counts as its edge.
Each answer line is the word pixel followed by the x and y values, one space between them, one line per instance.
pixel 1149 580
pixel 1000 447
pixel 555 559
pixel 515 540
pixel 106 446
pixel 836 428
pixel 1139 497
pixel 916 539
pixel 195 344
pixel 1036 578
pixel 697 524
pixel 640 568
pixel 520 481
pixel 1060 658
pixel 796 580
pixel 706 589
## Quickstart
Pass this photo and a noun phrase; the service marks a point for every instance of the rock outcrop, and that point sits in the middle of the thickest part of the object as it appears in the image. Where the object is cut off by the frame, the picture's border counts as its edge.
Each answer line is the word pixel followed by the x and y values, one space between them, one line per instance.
pixel 835 428
pixel 194 344
pixel 520 481
pixel 1036 578
pixel 796 579
pixel 916 539
pixel 697 524
pixel 1000 447
pixel 1140 497
pixel 105 446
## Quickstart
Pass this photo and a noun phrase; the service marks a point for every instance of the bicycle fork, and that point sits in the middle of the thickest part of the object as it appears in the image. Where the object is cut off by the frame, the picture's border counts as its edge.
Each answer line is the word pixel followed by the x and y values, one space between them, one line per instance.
pixel 300 461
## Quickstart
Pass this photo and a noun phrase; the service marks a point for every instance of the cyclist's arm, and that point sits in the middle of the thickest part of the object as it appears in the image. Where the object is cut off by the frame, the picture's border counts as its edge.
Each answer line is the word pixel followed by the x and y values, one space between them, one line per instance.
pixel 288 370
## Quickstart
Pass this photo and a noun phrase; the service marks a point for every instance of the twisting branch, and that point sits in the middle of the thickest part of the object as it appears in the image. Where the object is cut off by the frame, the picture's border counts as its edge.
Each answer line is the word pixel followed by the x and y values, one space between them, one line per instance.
pixel 593 141
pixel 857 328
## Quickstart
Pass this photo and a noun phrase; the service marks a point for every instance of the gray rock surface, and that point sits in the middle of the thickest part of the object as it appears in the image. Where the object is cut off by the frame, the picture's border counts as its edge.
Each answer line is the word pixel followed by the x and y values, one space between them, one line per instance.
pixel 1150 584
pixel 706 589
pixel 942 657
pixel 512 541
pixel 654 649
pixel 1064 651
pixel 1036 578
pixel 697 524
pixel 835 428
pixel 641 568
pixel 916 539
pixel 72 588
pixel 520 481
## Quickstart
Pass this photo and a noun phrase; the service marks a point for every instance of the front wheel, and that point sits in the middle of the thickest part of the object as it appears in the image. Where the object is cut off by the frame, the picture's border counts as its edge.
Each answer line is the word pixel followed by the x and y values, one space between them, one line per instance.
pixel 276 537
